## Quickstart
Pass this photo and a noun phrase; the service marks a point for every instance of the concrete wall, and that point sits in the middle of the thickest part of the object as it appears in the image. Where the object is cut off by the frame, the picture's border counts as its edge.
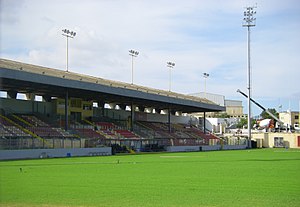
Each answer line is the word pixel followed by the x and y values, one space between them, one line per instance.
pixel 291 139
pixel 234 147
pixel 44 153
pixel 150 117
pixel 204 148
pixel 183 148
pixel 48 108
pixel 24 106
pixel 210 147
pixel 224 147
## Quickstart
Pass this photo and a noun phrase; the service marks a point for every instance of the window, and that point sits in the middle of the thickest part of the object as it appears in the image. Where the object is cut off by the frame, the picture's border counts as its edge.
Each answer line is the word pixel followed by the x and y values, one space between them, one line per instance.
pixel 278 142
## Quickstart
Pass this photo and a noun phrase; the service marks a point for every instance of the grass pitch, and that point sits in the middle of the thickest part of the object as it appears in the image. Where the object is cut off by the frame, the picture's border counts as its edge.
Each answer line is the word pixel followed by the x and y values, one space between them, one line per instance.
pixel 267 177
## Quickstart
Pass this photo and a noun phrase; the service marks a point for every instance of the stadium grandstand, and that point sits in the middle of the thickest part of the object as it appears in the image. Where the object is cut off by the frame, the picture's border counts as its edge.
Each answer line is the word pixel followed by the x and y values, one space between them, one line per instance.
pixel 77 111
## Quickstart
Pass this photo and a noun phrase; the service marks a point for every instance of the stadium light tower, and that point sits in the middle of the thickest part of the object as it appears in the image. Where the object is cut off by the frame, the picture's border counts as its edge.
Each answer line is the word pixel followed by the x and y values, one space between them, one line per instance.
pixel 132 53
pixel 170 65
pixel 205 76
pixel 68 34
pixel 249 21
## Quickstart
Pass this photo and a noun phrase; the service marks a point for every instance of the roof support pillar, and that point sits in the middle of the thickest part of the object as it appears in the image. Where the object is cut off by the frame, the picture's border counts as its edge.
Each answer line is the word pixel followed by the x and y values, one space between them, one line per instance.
pixel 112 105
pixel 169 120
pixel 12 94
pixel 30 96
pixel 158 111
pixel 204 122
pixel 132 116
pixel 46 98
pixel 101 106
pixel 66 110
pixel 122 106
pixel 142 108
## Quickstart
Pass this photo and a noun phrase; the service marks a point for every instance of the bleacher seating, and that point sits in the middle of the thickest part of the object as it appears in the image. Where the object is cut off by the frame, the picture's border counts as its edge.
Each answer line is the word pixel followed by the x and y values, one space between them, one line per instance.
pixel 34 121
pixel 16 125
pixel 36 126
pixel 105 125
pixel 181 134
pixel 126 133
pixel 7 129
pixel 156 130
pixel 89 133
pixel 112 131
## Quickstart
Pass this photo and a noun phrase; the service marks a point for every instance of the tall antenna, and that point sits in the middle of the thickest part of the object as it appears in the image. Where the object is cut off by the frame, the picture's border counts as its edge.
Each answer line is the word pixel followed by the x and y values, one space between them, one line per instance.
pixel 249 21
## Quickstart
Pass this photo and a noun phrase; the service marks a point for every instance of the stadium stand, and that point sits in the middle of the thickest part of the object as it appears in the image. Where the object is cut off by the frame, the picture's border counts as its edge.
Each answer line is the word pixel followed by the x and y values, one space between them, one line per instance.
pixel 154 136
pixel 8 129
pixel 66 116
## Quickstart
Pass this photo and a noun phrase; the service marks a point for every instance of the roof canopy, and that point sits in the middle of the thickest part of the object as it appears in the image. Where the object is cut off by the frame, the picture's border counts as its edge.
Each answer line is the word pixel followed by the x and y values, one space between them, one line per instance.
pixel 48 82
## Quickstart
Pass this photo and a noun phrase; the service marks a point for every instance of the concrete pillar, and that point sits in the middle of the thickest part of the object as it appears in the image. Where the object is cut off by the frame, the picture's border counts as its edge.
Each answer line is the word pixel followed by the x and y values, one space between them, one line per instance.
pixel 142 108
pixel 101 106
pixel 204 122
pixel 12 94
pixel 169 120
pixel 112 105
pixel 122 106
pixel 158 111
pixel 66 110
pixel 132 116
pixel 47 98
pixel 30 96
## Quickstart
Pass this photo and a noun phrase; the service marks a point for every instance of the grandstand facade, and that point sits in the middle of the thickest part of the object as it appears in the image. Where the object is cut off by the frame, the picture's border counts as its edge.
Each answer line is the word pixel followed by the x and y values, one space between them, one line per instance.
pixel 78 111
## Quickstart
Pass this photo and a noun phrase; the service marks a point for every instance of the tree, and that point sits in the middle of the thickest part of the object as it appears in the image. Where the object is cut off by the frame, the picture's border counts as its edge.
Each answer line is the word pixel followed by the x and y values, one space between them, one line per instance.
pixel 243 122
pixel 222 115
pixel 265 115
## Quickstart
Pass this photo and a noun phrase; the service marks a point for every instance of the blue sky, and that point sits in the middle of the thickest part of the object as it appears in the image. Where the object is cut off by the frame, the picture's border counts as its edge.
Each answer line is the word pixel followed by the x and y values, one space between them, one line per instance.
pixel 199 36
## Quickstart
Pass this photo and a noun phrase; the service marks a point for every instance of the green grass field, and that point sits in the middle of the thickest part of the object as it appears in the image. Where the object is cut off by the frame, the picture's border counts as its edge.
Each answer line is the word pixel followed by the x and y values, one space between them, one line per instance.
pixel 266 177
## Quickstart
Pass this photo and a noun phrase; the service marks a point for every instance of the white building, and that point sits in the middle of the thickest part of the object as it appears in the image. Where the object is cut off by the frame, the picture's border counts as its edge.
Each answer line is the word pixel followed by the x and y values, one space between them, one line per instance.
pixel 290 118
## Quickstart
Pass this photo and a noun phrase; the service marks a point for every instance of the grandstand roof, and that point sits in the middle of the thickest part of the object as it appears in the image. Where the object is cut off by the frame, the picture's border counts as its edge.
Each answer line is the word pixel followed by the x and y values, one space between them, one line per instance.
pixel 26 78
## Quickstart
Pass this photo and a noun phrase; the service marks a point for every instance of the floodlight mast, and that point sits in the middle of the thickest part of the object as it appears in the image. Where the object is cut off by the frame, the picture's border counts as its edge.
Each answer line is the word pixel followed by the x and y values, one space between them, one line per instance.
pixel 132 53
pixel 249 21
pixel 68 34
pixel 170 65
pixel 205 76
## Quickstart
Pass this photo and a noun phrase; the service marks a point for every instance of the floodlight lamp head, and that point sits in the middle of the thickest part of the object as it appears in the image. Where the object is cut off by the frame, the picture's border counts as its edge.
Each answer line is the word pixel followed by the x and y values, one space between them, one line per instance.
pixel 170 64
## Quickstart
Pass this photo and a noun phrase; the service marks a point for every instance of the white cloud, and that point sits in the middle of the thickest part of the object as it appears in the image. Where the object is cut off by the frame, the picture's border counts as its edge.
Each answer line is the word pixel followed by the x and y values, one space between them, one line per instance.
pixel 199 36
